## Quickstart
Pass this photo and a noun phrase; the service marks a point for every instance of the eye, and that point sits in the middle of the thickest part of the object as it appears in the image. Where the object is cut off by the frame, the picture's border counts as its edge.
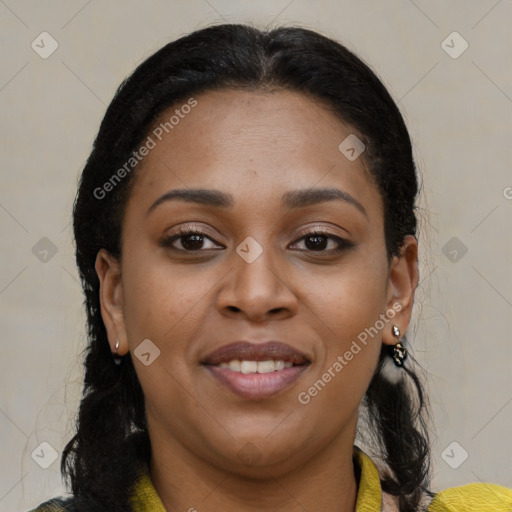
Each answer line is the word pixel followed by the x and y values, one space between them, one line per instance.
pixel 191 239
pixel 317 240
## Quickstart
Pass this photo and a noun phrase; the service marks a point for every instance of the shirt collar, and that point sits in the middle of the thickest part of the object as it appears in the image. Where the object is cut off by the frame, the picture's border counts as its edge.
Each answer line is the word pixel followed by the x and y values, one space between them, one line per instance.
pixel 369 494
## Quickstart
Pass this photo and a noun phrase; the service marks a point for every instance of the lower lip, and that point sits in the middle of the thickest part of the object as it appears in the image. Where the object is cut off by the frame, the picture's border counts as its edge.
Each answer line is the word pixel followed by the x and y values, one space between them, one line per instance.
pixel 257 385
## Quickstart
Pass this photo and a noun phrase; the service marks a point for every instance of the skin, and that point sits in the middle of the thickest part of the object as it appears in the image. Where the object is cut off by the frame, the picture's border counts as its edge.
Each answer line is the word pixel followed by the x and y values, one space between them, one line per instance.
pixel 256 146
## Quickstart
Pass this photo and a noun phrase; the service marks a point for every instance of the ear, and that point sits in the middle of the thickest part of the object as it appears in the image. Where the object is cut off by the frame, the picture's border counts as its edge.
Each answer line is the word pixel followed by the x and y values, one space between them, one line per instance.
pixel 111 300
pixel 403 280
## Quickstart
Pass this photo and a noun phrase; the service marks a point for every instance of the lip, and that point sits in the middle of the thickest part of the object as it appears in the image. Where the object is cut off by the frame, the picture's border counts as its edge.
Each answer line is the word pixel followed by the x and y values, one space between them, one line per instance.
pixel 256 386
pixel 244 350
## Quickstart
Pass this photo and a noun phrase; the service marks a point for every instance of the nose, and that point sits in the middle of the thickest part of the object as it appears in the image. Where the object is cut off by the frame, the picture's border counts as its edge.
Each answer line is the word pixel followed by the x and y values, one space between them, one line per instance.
pixel 257 291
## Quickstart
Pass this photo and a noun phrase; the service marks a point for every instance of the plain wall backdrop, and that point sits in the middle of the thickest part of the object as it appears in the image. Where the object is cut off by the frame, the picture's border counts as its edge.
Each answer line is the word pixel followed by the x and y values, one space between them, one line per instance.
pixel 457 103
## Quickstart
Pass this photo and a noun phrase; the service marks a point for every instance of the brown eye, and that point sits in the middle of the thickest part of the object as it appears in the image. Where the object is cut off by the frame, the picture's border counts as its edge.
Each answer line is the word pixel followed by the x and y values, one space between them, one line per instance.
pixel 192 242
pixel 318 241
pixel 190 239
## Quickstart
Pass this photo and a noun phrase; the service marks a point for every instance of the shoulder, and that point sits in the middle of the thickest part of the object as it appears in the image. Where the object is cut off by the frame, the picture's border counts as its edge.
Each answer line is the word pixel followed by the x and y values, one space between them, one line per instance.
pixel 56 505
pixel 481 497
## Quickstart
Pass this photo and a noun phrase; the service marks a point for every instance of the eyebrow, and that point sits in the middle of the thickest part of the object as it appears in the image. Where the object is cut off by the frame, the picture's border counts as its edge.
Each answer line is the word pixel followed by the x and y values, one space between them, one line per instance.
pixel 292 200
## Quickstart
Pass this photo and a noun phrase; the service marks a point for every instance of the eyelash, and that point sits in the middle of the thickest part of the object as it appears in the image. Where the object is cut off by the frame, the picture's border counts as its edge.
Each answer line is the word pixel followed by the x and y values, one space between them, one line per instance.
pixel 343 244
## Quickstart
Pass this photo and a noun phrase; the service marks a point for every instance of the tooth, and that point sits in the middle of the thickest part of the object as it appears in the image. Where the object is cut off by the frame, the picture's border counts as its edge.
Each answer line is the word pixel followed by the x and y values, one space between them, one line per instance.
pixel 234 365
pixel 279 365
pixel 266 366
pixel 248 366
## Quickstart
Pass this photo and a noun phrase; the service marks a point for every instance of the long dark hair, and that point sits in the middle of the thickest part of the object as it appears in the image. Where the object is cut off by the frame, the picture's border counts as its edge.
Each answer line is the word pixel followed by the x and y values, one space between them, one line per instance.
pixel 102 460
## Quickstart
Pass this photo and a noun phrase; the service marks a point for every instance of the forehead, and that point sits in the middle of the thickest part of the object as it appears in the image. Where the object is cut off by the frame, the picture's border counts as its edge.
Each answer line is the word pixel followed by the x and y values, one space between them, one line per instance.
pixel 252 144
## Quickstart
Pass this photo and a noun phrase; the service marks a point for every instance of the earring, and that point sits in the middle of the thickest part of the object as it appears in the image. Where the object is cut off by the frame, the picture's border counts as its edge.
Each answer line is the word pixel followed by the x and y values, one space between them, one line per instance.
pixel 392 365
pixel 117 359
pixel 398 352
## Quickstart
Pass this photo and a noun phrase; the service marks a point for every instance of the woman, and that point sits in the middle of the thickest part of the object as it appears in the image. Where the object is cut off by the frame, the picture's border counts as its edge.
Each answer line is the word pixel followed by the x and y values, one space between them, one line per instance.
pixel 245 230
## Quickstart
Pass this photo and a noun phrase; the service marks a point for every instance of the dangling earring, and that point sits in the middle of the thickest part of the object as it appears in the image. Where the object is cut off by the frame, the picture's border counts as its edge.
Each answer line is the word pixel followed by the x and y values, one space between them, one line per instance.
pixel 393 365
pixel 117 359
pixel 398 351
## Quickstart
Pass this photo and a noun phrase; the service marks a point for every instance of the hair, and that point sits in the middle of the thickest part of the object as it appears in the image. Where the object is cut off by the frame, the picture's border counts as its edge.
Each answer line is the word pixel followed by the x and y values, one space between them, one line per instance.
pixel 103 459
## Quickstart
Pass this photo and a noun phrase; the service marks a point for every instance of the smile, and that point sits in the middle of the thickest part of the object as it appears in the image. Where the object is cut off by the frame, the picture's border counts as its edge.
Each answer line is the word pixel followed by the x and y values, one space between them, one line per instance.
pixel 256 366
pixel 256 380
pixel 256 370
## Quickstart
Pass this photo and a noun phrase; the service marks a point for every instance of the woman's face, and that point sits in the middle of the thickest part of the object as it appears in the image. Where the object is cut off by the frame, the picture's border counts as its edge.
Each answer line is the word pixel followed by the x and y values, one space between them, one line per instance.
pixel 254 275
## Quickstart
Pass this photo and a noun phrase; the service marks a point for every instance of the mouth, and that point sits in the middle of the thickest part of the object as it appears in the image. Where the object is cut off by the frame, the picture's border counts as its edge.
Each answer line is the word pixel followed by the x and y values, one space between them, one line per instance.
pixel 256 371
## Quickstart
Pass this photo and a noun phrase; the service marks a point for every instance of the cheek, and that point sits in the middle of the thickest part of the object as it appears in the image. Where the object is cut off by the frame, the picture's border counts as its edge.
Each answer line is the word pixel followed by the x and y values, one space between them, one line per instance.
pixel 160 300
pixel 348 309
pixel 163 306
pixel 352 298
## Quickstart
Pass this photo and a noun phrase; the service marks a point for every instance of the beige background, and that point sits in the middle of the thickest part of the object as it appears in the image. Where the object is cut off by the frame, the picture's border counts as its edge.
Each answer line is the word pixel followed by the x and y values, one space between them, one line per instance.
pixel 458 111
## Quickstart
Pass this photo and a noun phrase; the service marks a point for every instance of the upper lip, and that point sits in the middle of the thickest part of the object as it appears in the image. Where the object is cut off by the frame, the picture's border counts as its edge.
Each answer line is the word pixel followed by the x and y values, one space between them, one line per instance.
pixel 246 351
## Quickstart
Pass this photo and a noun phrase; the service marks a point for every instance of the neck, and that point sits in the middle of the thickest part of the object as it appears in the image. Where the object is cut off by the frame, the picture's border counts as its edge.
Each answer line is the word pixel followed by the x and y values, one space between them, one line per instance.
pixel 186 482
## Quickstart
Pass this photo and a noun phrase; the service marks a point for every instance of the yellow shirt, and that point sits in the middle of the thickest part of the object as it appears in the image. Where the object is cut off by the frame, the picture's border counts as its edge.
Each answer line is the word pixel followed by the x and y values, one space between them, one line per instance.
pixel 468 498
